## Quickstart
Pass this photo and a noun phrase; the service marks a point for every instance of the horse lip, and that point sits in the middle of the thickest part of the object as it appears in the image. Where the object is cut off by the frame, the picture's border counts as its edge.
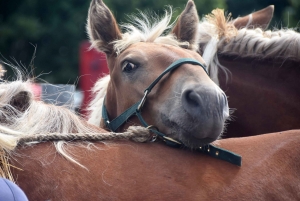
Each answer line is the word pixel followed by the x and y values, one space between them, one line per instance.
pixel 184 135
pixel 194 143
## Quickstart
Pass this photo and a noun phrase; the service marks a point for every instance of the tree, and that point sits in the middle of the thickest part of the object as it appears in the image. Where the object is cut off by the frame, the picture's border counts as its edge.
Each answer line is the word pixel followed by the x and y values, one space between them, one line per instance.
pixel 291 14
pixel 55 27
pixel 58 27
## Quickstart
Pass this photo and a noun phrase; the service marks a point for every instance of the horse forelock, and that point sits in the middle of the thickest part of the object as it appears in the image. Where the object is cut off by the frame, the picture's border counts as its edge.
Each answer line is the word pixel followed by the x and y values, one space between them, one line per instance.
pixel 212 29
pixel 148 27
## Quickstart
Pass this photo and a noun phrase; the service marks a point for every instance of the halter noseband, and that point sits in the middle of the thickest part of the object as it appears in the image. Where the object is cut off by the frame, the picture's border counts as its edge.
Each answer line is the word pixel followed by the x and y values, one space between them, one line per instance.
pixel 137 107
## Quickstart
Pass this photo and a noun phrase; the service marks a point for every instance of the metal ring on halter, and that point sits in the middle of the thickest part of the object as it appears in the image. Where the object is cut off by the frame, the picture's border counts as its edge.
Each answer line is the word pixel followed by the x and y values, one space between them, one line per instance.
pixel 154 137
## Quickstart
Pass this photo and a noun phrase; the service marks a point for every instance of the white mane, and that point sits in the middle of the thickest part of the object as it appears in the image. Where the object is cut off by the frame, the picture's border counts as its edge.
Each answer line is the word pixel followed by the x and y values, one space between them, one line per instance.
pixel 257 43
pixel 34 117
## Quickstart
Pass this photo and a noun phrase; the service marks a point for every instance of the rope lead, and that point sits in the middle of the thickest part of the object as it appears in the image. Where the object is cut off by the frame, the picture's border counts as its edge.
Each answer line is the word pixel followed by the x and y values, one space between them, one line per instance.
pixel 134 133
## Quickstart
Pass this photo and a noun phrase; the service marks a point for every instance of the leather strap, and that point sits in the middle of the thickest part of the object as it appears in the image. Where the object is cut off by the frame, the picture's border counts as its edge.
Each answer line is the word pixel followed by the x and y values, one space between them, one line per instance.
pixel 173 66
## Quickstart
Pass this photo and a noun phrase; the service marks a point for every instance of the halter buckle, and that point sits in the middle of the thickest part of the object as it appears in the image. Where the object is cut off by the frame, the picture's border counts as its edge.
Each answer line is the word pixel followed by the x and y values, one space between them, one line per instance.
pixel 143 101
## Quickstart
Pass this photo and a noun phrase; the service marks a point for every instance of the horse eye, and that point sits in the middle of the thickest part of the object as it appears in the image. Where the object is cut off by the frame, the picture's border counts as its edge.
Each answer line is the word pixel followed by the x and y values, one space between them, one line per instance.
pixel 128 67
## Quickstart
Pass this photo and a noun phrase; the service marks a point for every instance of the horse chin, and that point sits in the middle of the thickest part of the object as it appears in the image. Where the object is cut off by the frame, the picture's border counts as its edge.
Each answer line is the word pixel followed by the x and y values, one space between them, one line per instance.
pixel 191 136
pixel 194 143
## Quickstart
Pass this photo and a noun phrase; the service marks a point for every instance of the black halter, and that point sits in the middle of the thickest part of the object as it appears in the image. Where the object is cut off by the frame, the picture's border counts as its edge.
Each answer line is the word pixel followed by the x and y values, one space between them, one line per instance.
pixel 136 110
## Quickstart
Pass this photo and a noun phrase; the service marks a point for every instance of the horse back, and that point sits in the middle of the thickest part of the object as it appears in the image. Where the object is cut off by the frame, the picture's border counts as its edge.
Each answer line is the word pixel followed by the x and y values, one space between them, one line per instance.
pixel 152 171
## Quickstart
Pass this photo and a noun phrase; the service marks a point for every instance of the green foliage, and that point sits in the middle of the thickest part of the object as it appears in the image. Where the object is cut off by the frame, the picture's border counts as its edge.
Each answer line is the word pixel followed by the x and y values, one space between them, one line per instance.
pixel 291 14
pixel 57 27
pixel 121 8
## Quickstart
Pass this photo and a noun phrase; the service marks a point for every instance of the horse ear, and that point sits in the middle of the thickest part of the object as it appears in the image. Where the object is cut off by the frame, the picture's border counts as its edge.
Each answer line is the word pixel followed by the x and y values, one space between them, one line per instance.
pixel 258 19
pixel 21 101
pixel 186 28
pixel 102 27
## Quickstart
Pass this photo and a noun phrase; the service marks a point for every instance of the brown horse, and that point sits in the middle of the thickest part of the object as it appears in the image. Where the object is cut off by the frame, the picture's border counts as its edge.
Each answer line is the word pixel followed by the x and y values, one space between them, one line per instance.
pixel 263 84
pixel 153 171
pixel 129 171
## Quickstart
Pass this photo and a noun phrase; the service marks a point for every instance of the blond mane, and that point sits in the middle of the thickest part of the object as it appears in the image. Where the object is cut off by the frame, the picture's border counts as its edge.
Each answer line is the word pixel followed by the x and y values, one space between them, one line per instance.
pixel 31 117
pixel 213 28
pixel 217 36
pixel 147 28
pixel 284 43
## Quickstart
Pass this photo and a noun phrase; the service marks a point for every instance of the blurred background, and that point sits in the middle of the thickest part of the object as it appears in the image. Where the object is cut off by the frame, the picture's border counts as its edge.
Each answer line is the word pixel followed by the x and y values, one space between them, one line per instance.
pixel 57 28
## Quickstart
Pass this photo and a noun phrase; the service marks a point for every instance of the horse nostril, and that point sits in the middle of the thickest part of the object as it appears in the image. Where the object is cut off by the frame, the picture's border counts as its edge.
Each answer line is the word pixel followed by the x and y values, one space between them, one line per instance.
pixel 192 98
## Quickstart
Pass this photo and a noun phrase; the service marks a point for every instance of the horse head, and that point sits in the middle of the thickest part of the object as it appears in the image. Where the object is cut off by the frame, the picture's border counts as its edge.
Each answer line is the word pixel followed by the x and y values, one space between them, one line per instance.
pixel 185 104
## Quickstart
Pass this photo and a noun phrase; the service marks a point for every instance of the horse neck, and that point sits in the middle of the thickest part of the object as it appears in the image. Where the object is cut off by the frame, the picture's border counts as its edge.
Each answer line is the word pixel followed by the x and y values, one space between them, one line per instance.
pixel 276 74
pixel 244 42
pixel 262 91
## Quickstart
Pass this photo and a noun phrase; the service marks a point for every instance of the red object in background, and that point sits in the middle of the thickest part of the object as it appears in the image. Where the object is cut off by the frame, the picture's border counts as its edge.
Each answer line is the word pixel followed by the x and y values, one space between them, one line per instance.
pixel 36 90
pixel 93 65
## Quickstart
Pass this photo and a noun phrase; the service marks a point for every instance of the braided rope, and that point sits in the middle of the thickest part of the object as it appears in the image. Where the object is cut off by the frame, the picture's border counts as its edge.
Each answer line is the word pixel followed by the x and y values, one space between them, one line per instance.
pixel 135 133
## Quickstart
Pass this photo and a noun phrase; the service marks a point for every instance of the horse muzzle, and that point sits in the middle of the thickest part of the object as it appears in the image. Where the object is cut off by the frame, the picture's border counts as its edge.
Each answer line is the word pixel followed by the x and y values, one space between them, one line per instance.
pixel 207 108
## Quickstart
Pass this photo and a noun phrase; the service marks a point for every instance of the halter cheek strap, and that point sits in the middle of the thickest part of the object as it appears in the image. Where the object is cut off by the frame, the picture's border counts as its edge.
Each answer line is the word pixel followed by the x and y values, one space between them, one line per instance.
pixel 135 110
